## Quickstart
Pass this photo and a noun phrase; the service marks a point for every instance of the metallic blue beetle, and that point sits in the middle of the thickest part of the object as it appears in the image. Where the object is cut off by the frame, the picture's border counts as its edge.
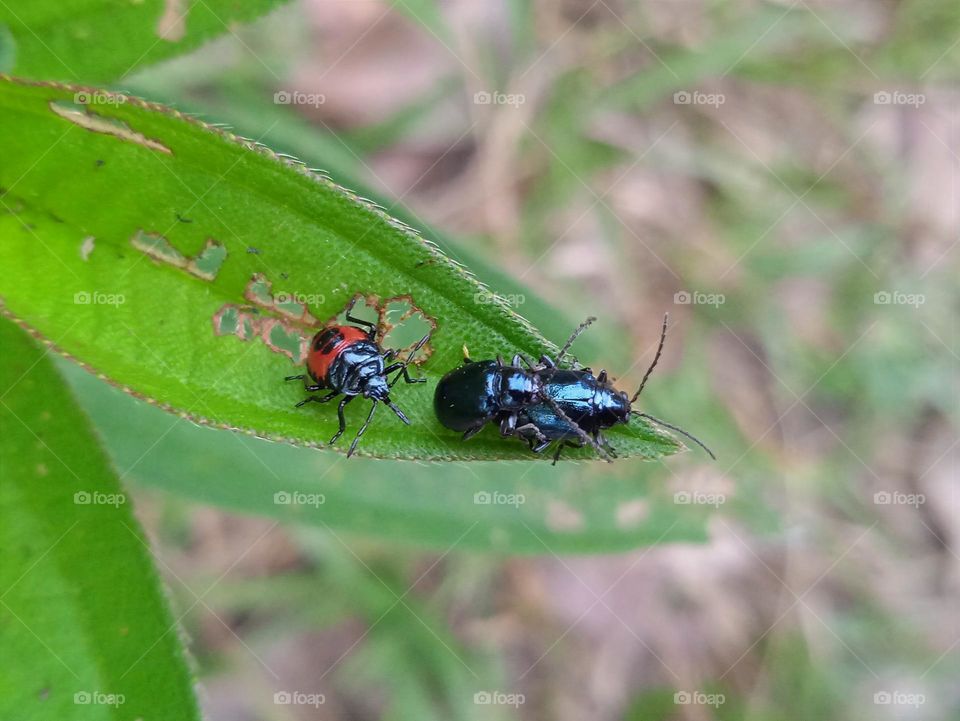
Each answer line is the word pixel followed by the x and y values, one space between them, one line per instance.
pixel 542 404
pixel 589 404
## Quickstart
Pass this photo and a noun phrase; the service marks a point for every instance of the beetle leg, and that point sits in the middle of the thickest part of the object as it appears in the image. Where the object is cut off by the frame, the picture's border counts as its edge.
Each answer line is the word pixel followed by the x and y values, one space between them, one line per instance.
pixel 545 360
pixel 371 327
pixel 500 360
pixel 602 378
pixel 602 440
pixel 317 399
pixel 406 372
pixel 516 360
pixel 532 433
pixel 556 456
pixel 538 447
pixel 363 428
pixel 471 432
pixel 343 421
pixel 528 360
pixel 561 446
pixel 295 378
pixel 508 426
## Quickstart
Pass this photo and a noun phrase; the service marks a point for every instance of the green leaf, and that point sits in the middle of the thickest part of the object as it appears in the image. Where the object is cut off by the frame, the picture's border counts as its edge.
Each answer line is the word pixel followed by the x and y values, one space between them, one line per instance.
pixel 103 40
pixel 157 251
pixel 506 507
pixel 84 627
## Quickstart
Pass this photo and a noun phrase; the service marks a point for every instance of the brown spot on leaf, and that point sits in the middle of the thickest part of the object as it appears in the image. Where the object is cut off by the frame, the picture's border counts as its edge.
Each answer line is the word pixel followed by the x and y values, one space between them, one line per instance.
pixel 86 247
pixel 108 126
pixel 205 265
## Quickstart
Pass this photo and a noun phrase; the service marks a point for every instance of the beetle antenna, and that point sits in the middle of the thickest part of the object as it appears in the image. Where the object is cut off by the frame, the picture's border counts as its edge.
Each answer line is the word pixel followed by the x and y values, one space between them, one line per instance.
pixel 573 336
pixel 581 434
pixel 363 428
pixel 663 338
pixel 678 430
pixel 392 406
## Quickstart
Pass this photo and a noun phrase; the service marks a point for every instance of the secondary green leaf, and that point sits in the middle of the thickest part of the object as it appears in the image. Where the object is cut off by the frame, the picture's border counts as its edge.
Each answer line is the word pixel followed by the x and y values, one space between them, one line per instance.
pixel 504 507
pixel 84 628
pixel 192 268
pixel 103 40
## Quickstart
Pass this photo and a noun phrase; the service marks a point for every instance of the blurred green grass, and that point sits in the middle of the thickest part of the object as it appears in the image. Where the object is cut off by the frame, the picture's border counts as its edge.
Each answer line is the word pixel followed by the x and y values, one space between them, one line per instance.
pixel 874 381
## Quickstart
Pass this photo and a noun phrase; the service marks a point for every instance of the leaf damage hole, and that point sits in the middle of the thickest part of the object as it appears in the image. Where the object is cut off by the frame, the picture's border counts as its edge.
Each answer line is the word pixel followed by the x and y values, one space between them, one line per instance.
pixel 292 306
pixel 247 323
pixel 79 115
pixel 205 265
pixel 403 324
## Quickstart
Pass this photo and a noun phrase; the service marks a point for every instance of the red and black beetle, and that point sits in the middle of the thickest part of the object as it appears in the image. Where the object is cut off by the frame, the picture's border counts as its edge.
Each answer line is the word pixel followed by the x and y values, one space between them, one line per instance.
pixel 347 359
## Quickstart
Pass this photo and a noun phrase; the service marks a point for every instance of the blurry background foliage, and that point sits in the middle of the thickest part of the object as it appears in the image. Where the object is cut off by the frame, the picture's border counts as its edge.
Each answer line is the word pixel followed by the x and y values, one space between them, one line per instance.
pixel 783 177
